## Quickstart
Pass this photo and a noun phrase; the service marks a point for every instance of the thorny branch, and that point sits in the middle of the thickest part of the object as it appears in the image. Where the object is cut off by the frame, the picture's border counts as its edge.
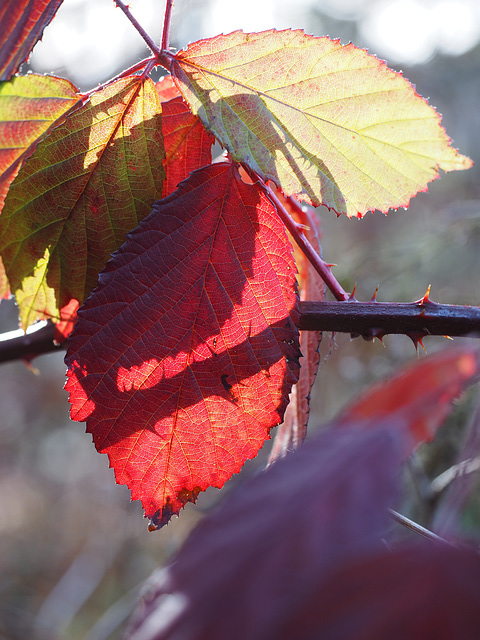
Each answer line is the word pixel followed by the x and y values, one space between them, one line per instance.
pixel 367 319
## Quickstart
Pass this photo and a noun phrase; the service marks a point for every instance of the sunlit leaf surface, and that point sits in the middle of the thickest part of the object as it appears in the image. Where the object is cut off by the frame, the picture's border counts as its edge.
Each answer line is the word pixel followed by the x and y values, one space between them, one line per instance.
pixel 329 122
pixel 73 202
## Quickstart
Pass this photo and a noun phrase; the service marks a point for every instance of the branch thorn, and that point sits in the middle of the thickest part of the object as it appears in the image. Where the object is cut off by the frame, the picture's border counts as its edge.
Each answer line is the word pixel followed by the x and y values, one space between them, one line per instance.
pixel 374 334
pixel 417 338
pixel 374 297
pixel 351 297
pixel 426 298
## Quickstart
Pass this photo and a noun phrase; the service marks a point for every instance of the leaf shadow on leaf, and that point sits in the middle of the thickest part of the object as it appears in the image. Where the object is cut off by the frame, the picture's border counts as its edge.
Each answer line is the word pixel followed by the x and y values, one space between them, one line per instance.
pixel 247 127
pixel 290 153
pixel 73 203
pixel 191 375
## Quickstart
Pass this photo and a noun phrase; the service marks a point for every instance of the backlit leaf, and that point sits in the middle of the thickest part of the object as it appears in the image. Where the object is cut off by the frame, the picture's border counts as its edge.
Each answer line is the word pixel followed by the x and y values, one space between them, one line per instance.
pixel 329 122
pixel 29 106
pixel 188 146
pixel 422 393
pixel 195 320
pixel 73 202
pixel 21 26
pixel 166 89
pixel 4 286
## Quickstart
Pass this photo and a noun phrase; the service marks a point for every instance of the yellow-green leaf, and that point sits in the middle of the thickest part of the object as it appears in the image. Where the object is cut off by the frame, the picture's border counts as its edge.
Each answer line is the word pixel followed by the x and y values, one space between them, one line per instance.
pixel 29 106
pixel 84 188
pixel 330 123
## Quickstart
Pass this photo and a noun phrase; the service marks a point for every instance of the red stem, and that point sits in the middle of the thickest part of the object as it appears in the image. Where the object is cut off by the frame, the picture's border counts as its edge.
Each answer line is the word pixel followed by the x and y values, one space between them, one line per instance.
pixel 128 72
pixel 150 43
pixel 166 24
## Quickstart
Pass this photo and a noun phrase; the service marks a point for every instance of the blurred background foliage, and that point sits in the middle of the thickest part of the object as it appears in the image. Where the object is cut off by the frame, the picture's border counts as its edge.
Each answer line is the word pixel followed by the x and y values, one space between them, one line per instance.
pixel 73 548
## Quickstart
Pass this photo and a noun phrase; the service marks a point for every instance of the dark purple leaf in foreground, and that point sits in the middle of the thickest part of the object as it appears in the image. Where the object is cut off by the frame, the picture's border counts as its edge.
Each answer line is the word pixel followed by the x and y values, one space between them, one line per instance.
pixel 256 559
pixel 430 592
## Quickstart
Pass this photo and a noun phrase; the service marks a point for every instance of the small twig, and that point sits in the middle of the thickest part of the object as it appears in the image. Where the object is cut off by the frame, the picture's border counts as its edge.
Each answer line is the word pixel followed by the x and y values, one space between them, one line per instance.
pixel 128 72
pixel 166 24
pixel 150 43
pixel 417 528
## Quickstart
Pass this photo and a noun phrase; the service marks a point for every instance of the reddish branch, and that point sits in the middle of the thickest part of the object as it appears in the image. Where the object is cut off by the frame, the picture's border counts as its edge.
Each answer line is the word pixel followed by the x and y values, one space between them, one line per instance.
pixel 322 268
pixel 166 24
pixel 367 319
pixel 150 43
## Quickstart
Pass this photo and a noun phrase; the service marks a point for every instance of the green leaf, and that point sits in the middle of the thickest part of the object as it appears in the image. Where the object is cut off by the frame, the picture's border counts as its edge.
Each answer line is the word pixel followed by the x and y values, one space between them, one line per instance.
pixel 327 122
pixel 84 188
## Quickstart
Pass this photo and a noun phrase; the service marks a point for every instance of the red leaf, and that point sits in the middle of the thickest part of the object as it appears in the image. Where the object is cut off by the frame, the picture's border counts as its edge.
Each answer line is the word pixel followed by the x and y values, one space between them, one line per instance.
pixel 188 146
pixel 167 89
pixel 421 393
pixel 254 560
pixel 68 317
pixel 428 592
pixel 21 26
pixel 195 320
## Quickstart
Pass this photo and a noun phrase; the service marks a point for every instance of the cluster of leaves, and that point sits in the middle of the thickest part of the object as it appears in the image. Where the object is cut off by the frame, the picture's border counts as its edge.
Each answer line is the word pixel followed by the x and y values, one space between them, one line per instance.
pixel 186 349
pixel 184 356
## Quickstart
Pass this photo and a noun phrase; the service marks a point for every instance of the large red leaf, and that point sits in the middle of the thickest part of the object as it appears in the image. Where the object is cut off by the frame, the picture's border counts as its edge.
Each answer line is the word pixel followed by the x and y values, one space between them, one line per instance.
pixel 188 146
pixel 422 393
pixel 183 357
pixel 76 197
pixel 329 122
pixel 251 563
pixel 21 26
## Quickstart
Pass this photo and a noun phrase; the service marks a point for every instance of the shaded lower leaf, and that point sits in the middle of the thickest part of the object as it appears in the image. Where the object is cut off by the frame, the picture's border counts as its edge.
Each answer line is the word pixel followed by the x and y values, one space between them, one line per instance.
pixel 250 564
pixel 428 592
pixel 195 320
